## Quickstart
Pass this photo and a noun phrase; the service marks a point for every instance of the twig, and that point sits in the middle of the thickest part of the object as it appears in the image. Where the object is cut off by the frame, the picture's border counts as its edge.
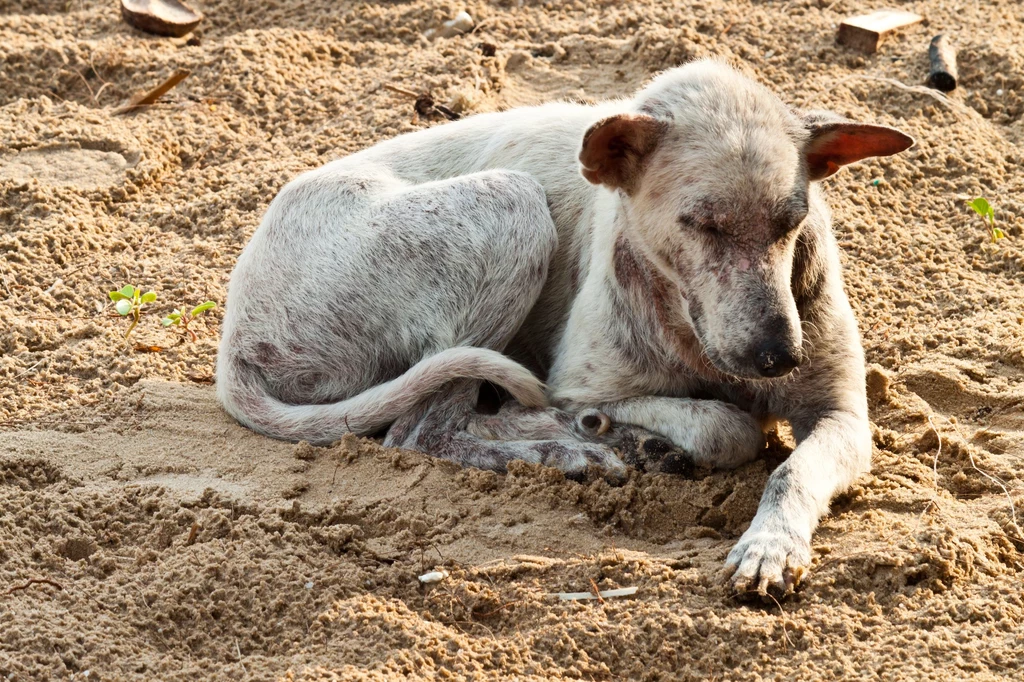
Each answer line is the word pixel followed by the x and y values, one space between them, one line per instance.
pixel 401 91
pixel 597 591
pixel 29 370
pixel 576 596
pixel 238 652
pixel 35 581
pixel 920 90
pixel 480 25
pixel 84 81
pixel 750 592
pixel 782 622
pixel 156 93
pixel 938 452
pixel 491 614
pixel 995 479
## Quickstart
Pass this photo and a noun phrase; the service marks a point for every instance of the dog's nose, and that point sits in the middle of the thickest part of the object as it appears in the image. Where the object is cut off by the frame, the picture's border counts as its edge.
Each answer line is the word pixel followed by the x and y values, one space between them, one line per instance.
pixel 774 359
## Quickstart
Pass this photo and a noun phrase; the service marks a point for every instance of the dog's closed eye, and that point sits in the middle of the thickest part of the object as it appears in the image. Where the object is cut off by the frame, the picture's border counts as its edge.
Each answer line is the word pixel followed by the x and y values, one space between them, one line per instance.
pixel 701 224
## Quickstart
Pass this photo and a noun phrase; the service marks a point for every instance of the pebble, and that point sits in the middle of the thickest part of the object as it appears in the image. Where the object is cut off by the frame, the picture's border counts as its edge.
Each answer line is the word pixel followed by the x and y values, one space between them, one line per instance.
pixel 433 577
pixel 462 23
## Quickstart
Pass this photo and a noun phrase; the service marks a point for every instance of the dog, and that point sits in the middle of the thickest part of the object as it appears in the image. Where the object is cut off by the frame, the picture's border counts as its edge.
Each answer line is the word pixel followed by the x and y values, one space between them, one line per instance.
pixel 664 263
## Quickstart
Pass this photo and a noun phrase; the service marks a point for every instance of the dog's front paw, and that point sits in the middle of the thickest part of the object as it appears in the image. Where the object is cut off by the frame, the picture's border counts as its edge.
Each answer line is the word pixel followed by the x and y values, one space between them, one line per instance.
pixel 768 562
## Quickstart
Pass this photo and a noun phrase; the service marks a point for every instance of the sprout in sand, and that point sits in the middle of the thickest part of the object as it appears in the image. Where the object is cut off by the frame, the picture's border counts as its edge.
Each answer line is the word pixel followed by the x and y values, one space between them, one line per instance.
pixel 183 318
pixel 128 300
pixel 985 210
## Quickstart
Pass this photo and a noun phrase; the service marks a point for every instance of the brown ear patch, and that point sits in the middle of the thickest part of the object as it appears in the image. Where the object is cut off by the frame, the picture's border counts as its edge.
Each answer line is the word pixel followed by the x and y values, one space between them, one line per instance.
pixel 615 149
pixel 836 144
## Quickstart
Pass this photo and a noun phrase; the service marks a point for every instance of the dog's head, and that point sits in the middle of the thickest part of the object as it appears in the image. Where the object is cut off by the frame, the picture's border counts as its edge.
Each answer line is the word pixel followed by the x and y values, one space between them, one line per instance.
pixel 715 173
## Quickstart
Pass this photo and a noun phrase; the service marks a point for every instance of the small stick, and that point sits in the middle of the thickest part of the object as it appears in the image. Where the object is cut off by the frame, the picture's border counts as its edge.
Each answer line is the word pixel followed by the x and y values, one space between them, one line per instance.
pixel 35 581
pixel 192 533
pixel 942 56
pixel 156 93
pixel 938 453
pixel 597 592
pixel 29 370
pixel 238 652
pixel 401 91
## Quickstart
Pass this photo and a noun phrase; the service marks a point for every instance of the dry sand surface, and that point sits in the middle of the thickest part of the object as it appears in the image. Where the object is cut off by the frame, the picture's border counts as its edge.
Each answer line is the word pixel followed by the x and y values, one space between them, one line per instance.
pixel 168 543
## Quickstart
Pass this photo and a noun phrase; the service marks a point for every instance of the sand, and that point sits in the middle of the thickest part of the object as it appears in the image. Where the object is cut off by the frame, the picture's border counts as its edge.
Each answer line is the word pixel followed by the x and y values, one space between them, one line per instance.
pixel 175 545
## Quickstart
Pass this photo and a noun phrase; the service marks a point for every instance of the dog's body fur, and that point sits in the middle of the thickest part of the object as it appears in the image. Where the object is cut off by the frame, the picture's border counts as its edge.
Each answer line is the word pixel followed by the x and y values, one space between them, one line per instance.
pixel 383 287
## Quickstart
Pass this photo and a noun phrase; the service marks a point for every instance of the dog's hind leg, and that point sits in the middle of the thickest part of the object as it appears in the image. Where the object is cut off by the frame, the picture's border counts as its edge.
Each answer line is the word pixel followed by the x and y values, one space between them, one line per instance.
pixel 439 428
pixel 515 239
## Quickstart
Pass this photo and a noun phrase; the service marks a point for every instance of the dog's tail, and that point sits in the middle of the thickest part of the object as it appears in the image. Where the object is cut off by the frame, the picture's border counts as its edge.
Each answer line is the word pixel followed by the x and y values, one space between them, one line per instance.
pixel 242 391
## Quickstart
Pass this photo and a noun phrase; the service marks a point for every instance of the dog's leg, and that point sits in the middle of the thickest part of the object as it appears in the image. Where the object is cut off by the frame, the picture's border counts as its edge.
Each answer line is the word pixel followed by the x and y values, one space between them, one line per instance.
pixel 833 448
pixel 712 432
pixel 775 552
pixel 440 428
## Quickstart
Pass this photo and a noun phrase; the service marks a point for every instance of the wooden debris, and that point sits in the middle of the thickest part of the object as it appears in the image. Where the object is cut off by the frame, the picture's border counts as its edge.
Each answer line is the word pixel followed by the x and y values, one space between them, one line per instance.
pixel 400 91
pixel 447 113
pixel 942 56
pixel 161 17
pixel 867 31
pixel 425 105
pixel 145 99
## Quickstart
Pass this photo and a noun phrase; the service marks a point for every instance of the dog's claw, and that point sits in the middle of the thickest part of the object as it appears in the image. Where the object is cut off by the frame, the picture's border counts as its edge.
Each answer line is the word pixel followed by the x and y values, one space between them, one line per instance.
pixel 767 563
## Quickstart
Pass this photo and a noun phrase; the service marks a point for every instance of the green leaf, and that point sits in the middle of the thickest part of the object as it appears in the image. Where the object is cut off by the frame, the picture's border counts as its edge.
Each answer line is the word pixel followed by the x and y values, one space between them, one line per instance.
pixel 202 308
pixel 997 233
pixel 149 297
pixel 127 291
pixel 117 296
pixel 124 306
pixel 980 206
pixel 168 321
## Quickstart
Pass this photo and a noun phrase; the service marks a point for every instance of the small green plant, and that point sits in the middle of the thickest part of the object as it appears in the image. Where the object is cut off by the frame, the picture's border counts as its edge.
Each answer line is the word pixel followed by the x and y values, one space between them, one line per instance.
pixel 985 210
pixel 183 318
pixel 128 300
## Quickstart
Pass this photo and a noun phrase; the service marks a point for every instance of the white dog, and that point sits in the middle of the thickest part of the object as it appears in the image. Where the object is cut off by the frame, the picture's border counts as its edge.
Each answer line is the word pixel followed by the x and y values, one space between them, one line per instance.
pixel 665 262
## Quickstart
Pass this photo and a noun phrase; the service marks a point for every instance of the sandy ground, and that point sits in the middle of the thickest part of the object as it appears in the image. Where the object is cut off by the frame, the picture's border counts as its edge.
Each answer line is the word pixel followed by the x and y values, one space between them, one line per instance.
pixel 174 545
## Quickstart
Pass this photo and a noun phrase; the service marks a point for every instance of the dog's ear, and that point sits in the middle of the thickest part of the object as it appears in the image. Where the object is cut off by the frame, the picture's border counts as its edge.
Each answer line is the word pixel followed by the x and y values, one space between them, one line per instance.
pixel 615 149
pixel 836 142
